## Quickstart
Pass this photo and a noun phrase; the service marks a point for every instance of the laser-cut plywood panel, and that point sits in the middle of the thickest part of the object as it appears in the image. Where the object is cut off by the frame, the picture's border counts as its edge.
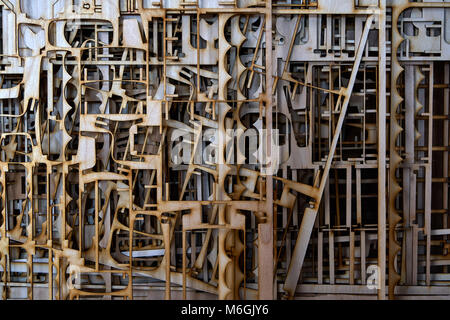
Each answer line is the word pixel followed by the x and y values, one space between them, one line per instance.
pixel 203 149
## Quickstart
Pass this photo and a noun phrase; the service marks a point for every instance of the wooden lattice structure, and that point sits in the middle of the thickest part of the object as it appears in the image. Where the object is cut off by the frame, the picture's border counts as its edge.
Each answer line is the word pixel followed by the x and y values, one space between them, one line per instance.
pixel 224 149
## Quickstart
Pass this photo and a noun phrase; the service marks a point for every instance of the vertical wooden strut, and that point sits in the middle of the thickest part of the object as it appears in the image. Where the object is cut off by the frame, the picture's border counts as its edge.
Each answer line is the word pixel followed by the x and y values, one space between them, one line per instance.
pixel 381 124
pixel 265 230
pixel 394 157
